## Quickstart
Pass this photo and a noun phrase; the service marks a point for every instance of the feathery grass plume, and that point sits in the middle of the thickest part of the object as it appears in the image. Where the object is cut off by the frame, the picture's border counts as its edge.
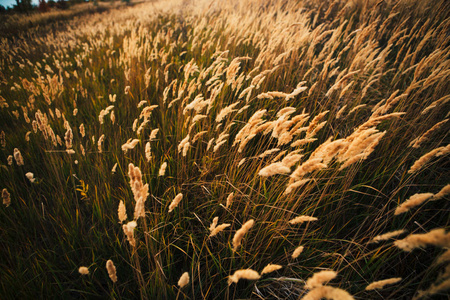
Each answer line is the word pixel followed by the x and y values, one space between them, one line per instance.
pixel 184 280
pixel 436 237
pixel 148 153
pixel 82 130
pixel 442 193
pixel 297 252
pixel 424 159
pixel 270 268
pixel 444 257
pixel 218 229
pixel 183 143
pixel 175 202
pixel 319 278
pixel 424 137
pixel 153 134
pixel 291 159
pixel 112 98
pixel 242 161
pixel 436 288
pixel 83 270
pixel 226 111
pixel 295 185
pixel 99 143
pixel 162 169
pixel 113 170
pixel 111 270
pixel 302 219
pixel 130 144
pixel 386 236
pixel 239 235
pixel 214 224
pixel 381 283
pixel 440 101
pixel 341 112
pixel 273 169
pixel 18 157
pixel 268 152
pixel 198 135
pixel 122 212
pixel 6 197
pixel 327 292
pixel 10 160
pixel 128 229
pixel 248 274
pixel 70 151
pixel 413 201
pixel 3 139
pixel 229 200
pixel 301 142
pixel 30 177
pixel 140 191
pixel 309 166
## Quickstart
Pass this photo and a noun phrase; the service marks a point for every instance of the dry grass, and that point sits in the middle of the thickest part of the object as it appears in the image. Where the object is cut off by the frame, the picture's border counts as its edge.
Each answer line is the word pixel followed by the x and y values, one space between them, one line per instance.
pixel 127 135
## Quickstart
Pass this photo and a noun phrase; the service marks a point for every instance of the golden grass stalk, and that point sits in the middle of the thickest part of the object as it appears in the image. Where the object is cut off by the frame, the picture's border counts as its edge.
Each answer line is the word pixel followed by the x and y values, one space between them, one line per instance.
pixel 18 157
pixel 214 224
pixel 297 252
pixel 111 270
pixel 319 278
pixel 184 280
pixel 229 200
pixel 218 229
pixel 248 274
pixel 114 168
pixel 175 202
pixel 273 169
pixel 386 236
pixel 226 111
pixel 162 169
pixel 128 229
pixel 341 112
pixel 122 212
pixel 436 237
pixel 381 283
pixel 148 153
pixel 413 201
pixel 442 193
pixel 270 268
pixel 83 270
pixel 440 101
pixel 82 130
pixel 302 219
pixel 327 292
pixel 130 144
pixel 239 235
pixel 183 143
pixel 153 134
pixel 30 177
pixel 295 185
pixel 6 197
pixel 424 159
pixel 99 143
pixel 424 137
pixel 444 257
pixel 309 166
pixel 268 152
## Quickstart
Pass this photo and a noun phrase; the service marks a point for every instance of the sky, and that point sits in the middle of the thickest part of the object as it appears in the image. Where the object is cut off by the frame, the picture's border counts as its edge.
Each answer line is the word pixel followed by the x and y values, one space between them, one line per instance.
pixel 10 3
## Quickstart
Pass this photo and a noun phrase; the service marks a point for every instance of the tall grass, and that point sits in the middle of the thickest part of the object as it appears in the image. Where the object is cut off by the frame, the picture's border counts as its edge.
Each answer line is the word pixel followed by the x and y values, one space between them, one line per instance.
pixel 294 123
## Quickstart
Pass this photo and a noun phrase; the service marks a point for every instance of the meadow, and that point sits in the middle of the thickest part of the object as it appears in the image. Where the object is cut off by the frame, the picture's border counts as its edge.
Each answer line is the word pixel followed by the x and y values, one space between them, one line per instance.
pixel 227 150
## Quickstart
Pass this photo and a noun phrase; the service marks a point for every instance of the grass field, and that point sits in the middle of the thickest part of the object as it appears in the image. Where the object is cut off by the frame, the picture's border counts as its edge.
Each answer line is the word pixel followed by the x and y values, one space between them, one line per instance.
pixel 227 150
